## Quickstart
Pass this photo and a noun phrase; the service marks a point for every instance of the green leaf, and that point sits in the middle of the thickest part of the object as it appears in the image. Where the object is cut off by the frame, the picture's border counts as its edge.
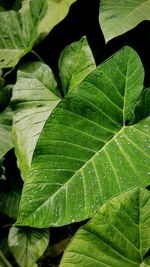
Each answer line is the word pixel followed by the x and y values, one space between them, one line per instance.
pixel 17 36
pixel 86 153
pixel 27 245
pixel 75 63
pixel 118 235
pixel 5 94
pixel 19 30
pixel 6 142
pixel 34 98
pixel 3 261
pixel 10 199
pixel 142 109
pixel 117 17
pixel 56 11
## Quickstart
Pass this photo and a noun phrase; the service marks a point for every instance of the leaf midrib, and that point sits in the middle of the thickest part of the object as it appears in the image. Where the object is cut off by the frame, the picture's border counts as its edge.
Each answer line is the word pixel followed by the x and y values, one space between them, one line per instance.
pixel 83 166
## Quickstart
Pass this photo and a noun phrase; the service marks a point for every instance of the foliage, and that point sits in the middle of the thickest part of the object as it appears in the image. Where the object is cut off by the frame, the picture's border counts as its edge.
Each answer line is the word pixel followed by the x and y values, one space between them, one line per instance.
pixel 80 134
pixel 118 235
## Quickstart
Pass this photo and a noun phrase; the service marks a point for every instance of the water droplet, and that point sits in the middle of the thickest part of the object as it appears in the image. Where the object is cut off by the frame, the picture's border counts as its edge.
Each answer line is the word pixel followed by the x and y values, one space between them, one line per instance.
pixel 148 173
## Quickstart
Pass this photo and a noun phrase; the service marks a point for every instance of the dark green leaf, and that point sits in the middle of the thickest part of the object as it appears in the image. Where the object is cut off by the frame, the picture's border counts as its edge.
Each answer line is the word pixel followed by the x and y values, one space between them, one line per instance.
pixel 6 142
pixel 118 235
pixel 142 109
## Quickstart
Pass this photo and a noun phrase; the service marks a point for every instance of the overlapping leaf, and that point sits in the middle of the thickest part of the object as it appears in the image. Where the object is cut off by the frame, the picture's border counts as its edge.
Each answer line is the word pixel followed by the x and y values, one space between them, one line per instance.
pixel 75 63
pixel 118 17
pixel 34 98
pixel 56 11
pixel 86 152
pixel 118 235
pixel 5 131
pixel 10 194
pixel 27 245
pixel 19 30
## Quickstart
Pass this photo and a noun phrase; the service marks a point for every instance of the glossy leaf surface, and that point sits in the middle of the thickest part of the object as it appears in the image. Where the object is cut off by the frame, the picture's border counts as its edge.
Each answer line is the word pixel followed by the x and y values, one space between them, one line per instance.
pixel 34 98
pixel 118 17
pixel 86 153
pixel 75 63
pixel 118 235
pixel 27 245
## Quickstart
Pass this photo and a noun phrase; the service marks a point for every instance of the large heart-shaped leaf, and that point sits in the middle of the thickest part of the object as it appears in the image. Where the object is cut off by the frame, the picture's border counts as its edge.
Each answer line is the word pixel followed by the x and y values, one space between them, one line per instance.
pixel 34 98
pixel 86 153
pixel 118 235
pixel 27 245
pixel 6 142
pixel 118 17
pixel 75 63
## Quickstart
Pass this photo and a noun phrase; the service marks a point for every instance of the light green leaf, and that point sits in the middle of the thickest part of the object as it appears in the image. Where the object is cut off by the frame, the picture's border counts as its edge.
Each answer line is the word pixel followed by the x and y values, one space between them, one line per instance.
pixel 118 17
pixel 6 142
pixel 34 98
pixel 3 261
pixel 19 30
pixel 118 235
pixel 86 153
pixel 56 11
pixel 27 245
pixel 75 63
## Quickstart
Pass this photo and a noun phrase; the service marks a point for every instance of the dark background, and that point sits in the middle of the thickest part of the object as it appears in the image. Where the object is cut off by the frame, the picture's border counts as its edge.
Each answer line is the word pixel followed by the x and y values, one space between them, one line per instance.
pixel 83 20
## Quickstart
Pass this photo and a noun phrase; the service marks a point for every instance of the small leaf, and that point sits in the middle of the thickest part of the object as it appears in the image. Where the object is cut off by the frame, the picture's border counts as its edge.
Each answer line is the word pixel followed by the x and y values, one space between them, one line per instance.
pixel 118 17
pixel 118 235
pixel 86 153
pixel 6 142
pixel 27 245
pixel 75 63
pixel 34 98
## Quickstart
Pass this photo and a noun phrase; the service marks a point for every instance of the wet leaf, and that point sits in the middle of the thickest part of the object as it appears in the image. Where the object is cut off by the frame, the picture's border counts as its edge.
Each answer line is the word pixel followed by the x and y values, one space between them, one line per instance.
pixel 87 152
pixel 118 235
